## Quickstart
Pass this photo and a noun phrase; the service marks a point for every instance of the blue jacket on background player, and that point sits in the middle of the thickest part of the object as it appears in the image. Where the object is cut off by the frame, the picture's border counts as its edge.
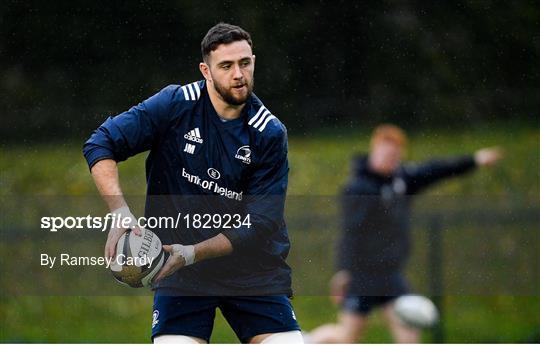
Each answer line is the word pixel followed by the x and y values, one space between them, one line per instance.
pixel 375 241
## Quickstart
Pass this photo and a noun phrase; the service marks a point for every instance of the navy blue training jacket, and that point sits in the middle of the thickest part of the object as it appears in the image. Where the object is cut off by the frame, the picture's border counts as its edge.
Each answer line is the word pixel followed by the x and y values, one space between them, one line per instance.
pixel 200 164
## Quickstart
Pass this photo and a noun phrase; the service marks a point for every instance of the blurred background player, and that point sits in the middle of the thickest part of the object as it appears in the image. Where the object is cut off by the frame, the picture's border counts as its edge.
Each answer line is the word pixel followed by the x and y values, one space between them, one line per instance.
pixel 375 242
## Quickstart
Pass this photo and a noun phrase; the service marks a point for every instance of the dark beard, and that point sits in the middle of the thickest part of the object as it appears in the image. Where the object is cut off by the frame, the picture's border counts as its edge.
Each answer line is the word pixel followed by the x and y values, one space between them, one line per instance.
pixel 229 98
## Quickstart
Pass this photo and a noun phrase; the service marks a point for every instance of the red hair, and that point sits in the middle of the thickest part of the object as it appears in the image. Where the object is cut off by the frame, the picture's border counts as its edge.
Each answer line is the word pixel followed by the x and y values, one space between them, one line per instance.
pixel 388 132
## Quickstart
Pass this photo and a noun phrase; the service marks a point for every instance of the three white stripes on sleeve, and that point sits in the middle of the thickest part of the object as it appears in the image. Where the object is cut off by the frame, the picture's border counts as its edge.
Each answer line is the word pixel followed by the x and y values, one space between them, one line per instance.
pixel 192 91
pixel 261 119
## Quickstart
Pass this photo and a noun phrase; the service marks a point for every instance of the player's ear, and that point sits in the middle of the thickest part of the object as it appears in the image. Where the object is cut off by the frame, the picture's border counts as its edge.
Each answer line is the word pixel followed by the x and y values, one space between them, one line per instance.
pixel 205 71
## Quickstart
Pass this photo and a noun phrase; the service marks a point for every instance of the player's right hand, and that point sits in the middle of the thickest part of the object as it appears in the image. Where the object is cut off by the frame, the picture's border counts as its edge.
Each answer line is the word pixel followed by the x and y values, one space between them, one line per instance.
pixel 116 232
pixel 339 284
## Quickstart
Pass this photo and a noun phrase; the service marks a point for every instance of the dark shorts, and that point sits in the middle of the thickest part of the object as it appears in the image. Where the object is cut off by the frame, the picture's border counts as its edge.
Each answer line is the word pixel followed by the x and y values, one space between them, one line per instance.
pixel 247 316
pixel 369 291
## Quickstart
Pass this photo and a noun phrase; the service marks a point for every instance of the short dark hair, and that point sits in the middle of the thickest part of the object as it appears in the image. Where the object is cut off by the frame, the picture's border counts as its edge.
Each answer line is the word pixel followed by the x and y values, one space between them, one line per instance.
pixel 223 33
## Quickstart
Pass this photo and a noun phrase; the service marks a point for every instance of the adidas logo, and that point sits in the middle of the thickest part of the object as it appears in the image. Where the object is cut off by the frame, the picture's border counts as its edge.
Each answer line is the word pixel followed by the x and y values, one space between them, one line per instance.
pixel 194 135
pixel 190 148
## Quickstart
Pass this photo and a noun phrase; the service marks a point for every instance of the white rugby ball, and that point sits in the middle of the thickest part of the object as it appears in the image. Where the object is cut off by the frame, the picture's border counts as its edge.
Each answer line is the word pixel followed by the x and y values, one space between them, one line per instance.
pixel 138 258
pixel 416 311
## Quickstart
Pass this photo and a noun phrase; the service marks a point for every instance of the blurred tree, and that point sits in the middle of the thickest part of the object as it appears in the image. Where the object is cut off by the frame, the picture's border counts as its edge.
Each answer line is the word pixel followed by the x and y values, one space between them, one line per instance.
pixel 66 65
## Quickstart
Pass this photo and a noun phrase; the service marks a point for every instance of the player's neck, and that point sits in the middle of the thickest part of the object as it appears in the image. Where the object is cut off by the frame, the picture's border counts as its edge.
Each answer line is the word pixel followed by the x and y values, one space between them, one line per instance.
pixel 224 110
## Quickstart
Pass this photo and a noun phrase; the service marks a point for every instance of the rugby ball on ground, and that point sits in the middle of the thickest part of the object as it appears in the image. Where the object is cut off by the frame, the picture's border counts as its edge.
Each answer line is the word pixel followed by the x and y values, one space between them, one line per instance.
pixel 416 311
pixel 138 258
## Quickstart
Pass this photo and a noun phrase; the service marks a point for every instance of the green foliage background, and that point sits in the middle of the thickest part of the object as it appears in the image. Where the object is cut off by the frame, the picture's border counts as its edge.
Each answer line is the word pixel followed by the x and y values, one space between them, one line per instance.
pixel 319 165
pixel 67 63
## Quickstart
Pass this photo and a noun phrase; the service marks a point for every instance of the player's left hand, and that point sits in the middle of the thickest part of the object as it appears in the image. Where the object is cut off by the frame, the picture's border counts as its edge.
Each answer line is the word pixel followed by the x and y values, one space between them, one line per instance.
pixel 488 156
pixel 179 257
pixel 339 284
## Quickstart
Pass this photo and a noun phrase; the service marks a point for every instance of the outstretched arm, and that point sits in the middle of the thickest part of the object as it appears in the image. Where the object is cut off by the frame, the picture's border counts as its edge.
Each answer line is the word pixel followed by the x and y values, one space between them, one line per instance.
pixel 425 174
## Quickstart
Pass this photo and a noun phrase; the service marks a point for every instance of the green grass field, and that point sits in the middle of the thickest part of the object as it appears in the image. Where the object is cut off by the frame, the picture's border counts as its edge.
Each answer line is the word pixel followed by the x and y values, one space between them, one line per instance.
pixel 319 165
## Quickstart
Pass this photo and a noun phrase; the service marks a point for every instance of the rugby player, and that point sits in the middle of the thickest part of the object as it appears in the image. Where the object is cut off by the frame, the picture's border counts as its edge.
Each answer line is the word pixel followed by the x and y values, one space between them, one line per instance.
pixel 375 242
pixel 214 147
